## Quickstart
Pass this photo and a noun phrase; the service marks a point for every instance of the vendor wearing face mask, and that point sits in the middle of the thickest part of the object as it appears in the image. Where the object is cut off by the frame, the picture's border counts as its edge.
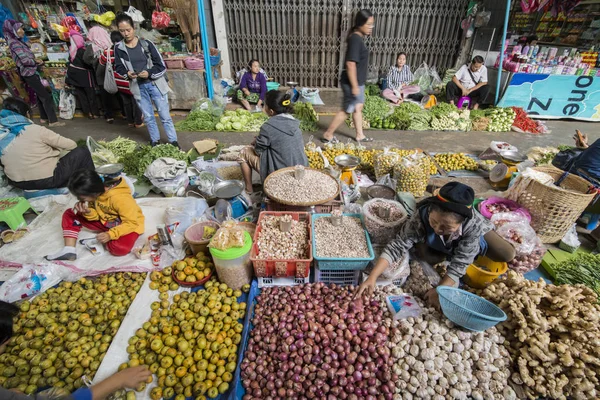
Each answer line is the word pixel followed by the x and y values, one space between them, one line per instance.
pixel 444 227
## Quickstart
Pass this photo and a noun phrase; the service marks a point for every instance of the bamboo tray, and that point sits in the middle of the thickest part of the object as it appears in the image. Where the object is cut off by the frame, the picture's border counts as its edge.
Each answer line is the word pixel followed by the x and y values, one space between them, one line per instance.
pixel 290 203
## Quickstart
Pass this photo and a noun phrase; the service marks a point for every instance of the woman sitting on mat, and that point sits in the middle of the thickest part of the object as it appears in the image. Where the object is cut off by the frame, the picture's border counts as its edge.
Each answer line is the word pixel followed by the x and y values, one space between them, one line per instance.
pixel 253 86
pixel 105 206
pixel 279 144
pixel 399 78
pixel 33 156
pixel 444 227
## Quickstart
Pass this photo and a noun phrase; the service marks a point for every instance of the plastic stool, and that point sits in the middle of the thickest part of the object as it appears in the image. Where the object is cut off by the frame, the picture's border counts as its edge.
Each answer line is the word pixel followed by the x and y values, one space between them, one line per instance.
pixel 12 210
pixel 463 100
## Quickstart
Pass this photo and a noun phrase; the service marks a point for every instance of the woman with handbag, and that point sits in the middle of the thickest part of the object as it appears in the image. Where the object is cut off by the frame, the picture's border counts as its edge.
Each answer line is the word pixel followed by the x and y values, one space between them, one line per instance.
pixel 80 76
pixel 27 66
pixel 99 44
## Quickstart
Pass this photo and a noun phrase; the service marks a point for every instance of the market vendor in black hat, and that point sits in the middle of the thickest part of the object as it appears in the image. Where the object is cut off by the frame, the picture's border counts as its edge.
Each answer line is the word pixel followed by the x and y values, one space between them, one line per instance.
pixel 444 227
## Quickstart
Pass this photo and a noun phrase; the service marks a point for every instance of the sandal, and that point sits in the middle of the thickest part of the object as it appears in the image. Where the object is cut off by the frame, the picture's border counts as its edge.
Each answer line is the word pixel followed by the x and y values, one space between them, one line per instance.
pixel 333 140
pixel 110 120
pixel 365 140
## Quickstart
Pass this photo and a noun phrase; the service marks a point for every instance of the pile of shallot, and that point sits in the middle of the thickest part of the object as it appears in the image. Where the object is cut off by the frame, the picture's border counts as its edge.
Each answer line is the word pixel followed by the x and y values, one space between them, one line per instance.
pixel 315 341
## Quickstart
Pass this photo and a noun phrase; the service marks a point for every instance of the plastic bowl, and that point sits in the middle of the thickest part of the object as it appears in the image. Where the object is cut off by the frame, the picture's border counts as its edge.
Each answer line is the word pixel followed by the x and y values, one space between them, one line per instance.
pixel 191 284
pixel 479 278
pixel 468 310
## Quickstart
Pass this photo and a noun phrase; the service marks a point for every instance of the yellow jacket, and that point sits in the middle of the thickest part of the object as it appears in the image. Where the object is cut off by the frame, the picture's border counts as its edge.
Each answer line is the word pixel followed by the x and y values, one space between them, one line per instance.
pixel 117 204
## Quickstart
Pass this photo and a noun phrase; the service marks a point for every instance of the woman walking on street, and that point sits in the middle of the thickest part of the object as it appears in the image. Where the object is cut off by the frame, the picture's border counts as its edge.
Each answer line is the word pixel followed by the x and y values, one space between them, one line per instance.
pixel 27 66
pixel 80 76
pixel 140 60
pixel 100 44
pixel 354 77
pixel 132 112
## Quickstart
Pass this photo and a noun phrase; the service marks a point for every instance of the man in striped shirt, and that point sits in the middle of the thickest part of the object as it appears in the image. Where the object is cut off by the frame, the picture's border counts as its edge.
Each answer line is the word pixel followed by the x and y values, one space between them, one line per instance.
pixel 398 81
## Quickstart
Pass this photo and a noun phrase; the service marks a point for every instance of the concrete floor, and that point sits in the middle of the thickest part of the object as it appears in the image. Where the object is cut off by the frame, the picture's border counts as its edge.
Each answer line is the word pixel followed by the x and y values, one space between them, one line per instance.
pixel 434 141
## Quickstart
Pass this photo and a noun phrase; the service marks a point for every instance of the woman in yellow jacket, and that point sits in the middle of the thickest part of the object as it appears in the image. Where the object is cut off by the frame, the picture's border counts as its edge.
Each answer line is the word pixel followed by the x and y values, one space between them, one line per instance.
pixel 105 206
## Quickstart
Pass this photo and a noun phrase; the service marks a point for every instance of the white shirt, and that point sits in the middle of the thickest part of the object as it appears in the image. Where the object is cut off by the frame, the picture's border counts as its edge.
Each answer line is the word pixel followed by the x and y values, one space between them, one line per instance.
pixel 465 78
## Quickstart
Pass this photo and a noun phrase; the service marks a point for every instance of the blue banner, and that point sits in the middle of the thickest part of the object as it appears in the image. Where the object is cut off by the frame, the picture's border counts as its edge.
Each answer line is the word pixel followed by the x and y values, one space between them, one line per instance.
pixel 555 96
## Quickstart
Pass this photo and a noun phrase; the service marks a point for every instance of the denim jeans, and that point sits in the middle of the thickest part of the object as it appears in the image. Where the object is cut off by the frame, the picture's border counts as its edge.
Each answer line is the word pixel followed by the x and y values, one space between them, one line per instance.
pixel 150 94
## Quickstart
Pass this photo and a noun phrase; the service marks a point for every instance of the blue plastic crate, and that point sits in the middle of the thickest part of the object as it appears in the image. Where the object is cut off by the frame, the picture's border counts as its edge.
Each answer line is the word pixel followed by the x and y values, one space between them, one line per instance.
pixel 341 263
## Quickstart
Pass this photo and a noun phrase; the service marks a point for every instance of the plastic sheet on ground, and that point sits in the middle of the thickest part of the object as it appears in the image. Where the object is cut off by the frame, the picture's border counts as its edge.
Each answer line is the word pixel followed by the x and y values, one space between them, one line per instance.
pixel 45 237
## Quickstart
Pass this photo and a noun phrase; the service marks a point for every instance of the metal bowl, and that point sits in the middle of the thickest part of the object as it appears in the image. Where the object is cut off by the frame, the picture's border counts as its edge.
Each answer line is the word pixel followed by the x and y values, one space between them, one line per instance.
pixel 512 156
pixel 347 161
pixel 110 170
pixel 381 192
pixel 228 189
pixel 291 83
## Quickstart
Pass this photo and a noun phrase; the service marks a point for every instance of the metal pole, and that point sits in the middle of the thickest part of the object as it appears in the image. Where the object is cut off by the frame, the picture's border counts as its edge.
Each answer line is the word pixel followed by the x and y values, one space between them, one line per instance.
pixel 205 49
pixel 504 29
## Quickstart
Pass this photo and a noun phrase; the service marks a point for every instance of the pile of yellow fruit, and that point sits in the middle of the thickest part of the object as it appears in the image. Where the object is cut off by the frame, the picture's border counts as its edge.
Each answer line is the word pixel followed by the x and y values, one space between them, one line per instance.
pixel 63 334
pixel 190 269
pixel 191 344
pixel 455 161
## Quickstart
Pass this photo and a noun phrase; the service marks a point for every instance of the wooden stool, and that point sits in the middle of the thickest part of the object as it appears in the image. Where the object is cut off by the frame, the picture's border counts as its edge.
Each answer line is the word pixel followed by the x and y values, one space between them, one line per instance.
pixel 12 211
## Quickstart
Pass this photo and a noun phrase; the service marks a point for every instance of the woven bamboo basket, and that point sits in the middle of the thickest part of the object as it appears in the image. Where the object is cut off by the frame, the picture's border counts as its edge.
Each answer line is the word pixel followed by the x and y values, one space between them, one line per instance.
pixel 290 203
pixel 553 209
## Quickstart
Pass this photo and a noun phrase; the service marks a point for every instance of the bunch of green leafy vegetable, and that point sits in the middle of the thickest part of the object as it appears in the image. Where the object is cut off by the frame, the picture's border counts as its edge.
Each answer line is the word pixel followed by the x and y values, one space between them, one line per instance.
pixel 197 121
pixel 307 116
pixel 420 121
pixel 443 109
pixel 136 163
pixel 120 146
pixel 475 114
pixel 241 121
pixel 375 108
pixel 372 90
pixel 582 269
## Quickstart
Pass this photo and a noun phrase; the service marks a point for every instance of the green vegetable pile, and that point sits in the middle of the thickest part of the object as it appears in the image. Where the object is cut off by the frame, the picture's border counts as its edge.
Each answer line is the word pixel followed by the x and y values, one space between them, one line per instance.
pixel 372 90
pixel 197 121
pixel 120 146
pixel 307 116
pixel 582 269
pixel 241 121
pixel 136 163
pixel 376 108
pixel 443 109
pixel 501 119
pixel 402 115
pixel 420 121
pixel 476 114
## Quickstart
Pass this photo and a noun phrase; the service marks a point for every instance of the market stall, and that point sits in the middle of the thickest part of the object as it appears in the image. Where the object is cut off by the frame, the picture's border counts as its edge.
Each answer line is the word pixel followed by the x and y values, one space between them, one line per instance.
pixel 551 61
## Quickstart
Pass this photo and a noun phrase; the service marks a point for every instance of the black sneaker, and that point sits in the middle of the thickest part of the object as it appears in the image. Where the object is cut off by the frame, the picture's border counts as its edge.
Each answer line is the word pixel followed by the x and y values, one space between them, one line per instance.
pixel 175 144
pixel 153 144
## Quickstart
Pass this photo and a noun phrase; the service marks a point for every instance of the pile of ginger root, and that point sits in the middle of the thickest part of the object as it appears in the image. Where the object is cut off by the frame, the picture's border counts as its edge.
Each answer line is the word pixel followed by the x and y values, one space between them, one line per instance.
pixel 553 336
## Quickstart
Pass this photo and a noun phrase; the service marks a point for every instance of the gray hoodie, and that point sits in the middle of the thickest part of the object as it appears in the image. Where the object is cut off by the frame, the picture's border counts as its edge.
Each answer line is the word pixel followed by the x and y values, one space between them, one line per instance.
pixel 280 145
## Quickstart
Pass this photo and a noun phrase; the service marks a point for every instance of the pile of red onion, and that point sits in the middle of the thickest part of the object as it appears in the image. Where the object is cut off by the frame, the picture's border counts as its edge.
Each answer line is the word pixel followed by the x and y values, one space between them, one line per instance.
pixel 314 341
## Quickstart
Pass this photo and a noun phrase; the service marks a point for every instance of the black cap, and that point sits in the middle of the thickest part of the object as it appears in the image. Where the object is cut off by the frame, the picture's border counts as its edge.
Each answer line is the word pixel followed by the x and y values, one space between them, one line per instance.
pixel 456 197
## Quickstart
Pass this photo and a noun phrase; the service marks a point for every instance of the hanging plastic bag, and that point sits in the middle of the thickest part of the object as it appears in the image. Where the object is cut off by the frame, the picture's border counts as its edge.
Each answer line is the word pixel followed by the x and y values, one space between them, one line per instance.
pixel 66 105
pixel 160 19
pixel 110 83
pixel 310 95
pixel 229 235
pixel 135 14
pixel 100 154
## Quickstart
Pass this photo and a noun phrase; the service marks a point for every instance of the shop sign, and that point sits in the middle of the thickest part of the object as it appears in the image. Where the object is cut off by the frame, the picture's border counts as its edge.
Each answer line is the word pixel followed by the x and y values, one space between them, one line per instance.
pixel 555 96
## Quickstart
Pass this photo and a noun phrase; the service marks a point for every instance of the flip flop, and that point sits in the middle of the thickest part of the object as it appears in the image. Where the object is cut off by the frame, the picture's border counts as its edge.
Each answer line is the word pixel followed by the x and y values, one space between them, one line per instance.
pixel 365 140
pixel 333 140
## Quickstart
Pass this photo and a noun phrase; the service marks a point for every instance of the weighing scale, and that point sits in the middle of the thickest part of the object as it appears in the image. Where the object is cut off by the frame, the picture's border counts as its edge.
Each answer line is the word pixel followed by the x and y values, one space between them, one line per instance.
pixel 502 173
pixel 233 202
pixel 348 165
pixel 293 92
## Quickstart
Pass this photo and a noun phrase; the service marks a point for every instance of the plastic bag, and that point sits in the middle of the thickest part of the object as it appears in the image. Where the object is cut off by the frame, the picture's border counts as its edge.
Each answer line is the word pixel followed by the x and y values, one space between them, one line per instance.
pixel 229 235
pixel 100 154
pixel 310 95
pixel 188 211
pixel 225 170
pixel 110 83
pixel 403 306
pixel 66 105
pixel 135 14
pixel 502 218
pixel 427 79
pixel 499 147
pixel 171 187
pixel 398 270
pixel 411 176
pixel 570 242
pixel 32 280
pixel 482 18
pixel 384 162
pixel 160 19
pixel 383 218
pixel 520 234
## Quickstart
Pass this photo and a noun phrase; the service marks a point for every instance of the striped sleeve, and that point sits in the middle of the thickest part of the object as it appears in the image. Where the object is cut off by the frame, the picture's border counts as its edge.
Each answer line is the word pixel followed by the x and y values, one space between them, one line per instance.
pixel 393 78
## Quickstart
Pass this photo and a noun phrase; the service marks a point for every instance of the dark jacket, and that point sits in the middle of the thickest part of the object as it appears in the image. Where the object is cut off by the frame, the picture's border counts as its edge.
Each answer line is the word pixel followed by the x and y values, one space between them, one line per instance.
pixel 280 144
pixel 91 59
pixel 79 73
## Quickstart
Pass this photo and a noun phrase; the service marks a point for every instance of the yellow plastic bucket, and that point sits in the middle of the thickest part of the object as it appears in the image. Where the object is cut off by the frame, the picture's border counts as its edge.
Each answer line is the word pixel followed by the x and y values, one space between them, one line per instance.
pixel 479 278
